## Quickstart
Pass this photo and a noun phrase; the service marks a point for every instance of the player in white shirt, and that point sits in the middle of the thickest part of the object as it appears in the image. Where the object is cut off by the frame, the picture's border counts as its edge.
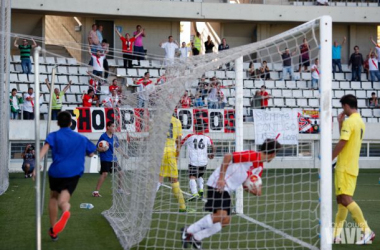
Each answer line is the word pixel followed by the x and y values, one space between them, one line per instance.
pixel 235 169
pixel 197 145
pixel 170 47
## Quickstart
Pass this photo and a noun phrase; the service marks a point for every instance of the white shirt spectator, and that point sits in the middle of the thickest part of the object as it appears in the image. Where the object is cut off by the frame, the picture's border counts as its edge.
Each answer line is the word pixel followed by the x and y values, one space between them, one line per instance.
pixel 378 52
pixel 169 49
pixel 97 63
pixel 29 105
pixel 15 102
pixel 184 52
pixel 111 101
pixel 373 64
pixel 315 73
pixel 144 92
pixel 213 95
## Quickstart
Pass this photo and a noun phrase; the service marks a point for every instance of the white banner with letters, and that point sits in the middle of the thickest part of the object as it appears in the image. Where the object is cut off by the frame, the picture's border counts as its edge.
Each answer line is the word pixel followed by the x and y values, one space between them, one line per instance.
pixel 282 125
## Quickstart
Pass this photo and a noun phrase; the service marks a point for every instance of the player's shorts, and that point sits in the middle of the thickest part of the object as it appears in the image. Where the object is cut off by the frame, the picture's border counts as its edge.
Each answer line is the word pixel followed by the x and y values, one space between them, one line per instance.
pixel 108 167
pixel 169 165
pixel 344 183
pixel 31 166
pixel 217 201
pixel 196 171
pixel 59 184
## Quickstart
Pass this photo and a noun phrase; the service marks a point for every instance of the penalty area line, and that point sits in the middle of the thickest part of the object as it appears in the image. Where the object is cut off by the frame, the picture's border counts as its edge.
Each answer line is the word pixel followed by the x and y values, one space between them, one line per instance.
pixel 279 232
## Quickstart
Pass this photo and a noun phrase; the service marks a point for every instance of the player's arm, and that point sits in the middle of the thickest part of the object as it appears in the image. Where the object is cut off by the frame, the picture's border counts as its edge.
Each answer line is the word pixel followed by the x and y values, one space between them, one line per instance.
pixel 15 42
pixel 99 149
pixel 344 41
pixel 67 87
pixel 221 183
pixel 178 145
pixel 338 148
pixel 373 41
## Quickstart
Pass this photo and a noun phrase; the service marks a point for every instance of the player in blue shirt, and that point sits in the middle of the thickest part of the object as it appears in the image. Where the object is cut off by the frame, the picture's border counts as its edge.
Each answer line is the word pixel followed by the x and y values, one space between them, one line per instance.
pixel 69 150
pixel 108 161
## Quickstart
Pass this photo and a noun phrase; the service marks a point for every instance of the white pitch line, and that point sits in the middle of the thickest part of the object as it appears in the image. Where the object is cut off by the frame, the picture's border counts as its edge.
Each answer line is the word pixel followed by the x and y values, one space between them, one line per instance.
pixel 186 193
pixel 285 235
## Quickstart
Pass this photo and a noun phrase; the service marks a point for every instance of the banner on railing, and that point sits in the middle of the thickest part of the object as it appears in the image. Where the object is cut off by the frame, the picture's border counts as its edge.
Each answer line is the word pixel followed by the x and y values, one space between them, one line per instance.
pixel 89 120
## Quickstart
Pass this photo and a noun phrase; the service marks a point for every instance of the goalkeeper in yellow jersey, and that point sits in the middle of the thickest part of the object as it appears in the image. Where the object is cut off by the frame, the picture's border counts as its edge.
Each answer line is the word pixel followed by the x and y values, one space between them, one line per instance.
pixel 347 169
pixel 169 161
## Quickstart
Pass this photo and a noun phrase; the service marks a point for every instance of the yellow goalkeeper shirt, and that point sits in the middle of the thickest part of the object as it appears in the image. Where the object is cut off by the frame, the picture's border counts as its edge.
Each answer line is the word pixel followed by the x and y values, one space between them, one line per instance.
pixel 352 131
pixel 174 132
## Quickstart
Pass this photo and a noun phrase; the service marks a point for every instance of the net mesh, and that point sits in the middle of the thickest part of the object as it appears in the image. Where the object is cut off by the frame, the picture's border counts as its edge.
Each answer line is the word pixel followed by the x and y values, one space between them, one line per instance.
pixel 5 14
pixel 286 215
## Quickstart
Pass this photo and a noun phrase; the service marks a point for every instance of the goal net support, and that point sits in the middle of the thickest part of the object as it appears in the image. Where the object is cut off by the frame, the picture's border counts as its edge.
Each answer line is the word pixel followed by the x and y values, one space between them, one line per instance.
pixel 294 211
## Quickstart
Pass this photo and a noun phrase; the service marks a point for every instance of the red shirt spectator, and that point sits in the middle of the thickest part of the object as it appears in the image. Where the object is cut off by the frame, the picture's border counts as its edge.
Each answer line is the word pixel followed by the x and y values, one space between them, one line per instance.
pixel 185 100
pixel 161 80
pixel 88 98
pixel 144 81
pixel 127 43
pixel 265 95
pixel 113 86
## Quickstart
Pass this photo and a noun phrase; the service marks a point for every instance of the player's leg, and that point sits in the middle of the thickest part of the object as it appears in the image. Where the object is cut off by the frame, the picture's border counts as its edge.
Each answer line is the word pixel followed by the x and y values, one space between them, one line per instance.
pixel 53 207
pixel 64 205
pixel 178 193
pixel 342 212
pixel 192 183
pixel 200 181
pixel 105 168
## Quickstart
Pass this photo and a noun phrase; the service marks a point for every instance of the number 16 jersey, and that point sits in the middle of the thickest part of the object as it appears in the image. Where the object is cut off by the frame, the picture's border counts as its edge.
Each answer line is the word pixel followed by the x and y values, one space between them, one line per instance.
pixel 197 145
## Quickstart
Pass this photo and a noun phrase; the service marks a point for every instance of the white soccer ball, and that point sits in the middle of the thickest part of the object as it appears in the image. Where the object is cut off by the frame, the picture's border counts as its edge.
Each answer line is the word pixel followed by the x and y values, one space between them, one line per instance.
pixel 104 145
pixel 253 182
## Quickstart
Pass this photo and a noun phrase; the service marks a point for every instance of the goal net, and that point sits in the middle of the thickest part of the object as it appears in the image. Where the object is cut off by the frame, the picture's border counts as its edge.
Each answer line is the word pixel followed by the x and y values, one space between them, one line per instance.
pixel 287 214
pixel 5 17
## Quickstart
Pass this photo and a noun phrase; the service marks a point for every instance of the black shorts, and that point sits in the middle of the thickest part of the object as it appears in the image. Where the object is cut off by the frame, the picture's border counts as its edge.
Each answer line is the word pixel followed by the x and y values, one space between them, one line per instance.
pixel 59 184
pixel 107 166
pixel 196 171
pixel 217 201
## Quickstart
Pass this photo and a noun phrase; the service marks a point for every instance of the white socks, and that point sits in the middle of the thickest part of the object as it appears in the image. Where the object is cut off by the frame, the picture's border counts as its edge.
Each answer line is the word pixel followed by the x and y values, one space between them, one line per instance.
pixel 200 183
pixel 193 186
pixel 205 233
pixel 203 223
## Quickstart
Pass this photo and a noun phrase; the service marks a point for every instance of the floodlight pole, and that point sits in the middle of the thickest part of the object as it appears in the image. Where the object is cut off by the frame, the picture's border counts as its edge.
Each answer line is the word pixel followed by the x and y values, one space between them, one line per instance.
pixel 37 147
pixel 239 123
pixel 48 124
pixel 326 132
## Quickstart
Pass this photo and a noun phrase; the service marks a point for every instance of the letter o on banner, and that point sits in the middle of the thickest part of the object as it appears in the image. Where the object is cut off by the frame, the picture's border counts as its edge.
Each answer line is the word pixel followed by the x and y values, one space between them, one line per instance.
pixel 98 120
pixel 216 120
pixel 186 118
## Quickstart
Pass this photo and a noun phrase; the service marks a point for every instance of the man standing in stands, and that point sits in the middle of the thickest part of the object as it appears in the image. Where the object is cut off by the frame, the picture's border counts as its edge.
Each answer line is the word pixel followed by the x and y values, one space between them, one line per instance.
pixel 373 66
pixel 28 112
pixel 138 47
pixel 143 83
pixel 336 55
pixel 98 61
pixel 287 62
pixel 196 44
pixel 356 60
pixel 88 98
pixel 56 106
pixel 209 45
pixel 224 46
pixel 170 47
pixel 25 50
pixel 99 33
pixel 127 47
pixel 93 39
pixel 264 97
pixel 377 51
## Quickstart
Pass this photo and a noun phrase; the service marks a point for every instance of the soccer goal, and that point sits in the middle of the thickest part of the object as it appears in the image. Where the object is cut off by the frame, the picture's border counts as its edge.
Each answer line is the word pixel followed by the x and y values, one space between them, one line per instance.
pixel 5 26
pixel 294 209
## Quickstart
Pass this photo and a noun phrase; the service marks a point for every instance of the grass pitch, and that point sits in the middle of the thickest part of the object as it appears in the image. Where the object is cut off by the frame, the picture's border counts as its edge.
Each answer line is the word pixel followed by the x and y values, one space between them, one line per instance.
pixel 88 229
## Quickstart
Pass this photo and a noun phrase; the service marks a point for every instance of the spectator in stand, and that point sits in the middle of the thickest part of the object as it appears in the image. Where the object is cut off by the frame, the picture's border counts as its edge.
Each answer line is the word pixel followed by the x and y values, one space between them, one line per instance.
pixel 287 62
pixel 127 47
pixel 143 84
pixel 138 47
pixel 222 99
pixel 264 71
pixel 184 51
pixel 196 44
pixel 264 97
pixel 56 106
pixel 93 39
pixel 170 47
pixel 212 98
pixel 29 160
pixel 356 60
pixel 88 98
pixel 198 102
pixel 114 86
pixel 377 51
pixel 366 66
pixel 185 100
pixel 223 45
pixel 251 70
pixel 161 80
pixel 98 62
pixel 209 45
pixel 112 100
pixel 104 51
pixel 323 2
pixel 99 33
pixel 256 100
pixel 373 66
pixel 315 74
pixel 15 102
pixel 304 57
pixel 25 50
pixel 373 101
pixel 336 55
pixel 28 111
pixel 202 88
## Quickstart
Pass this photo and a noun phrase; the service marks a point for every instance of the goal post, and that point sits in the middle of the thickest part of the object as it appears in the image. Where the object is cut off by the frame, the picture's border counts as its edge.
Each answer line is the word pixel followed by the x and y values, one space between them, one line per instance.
pixel 294 211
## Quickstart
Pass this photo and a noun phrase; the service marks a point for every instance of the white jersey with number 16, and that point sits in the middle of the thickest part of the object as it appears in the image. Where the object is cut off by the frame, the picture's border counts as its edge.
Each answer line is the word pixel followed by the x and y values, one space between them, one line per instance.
pixel 197 144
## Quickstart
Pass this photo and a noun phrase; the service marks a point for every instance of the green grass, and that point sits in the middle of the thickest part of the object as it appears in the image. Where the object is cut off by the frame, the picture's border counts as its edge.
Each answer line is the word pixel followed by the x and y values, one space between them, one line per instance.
pixel 88 229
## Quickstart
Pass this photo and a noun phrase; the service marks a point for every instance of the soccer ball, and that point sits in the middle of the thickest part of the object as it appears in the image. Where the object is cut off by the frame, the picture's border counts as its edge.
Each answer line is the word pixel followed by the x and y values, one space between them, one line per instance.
pixel 104 145
pixel 253 182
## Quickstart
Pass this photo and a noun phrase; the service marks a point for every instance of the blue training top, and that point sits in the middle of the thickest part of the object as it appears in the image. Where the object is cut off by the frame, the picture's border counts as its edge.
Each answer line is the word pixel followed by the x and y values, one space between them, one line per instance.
pixel 69 150
pixel 336 52
pixel 108 155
